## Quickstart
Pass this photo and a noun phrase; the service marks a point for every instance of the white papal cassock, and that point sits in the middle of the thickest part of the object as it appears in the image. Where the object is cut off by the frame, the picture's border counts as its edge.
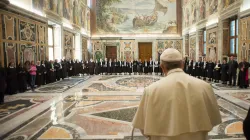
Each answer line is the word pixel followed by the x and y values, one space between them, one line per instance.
pixel 177 107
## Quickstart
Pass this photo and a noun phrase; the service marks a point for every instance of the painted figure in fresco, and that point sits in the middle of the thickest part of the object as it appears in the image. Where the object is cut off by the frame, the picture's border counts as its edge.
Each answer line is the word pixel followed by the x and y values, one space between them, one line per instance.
pixel 212 53
pixel 53 5
pixel 67 9
pixel 75 12
pixel 202 9
pixel 187 18
pixel 213 6
pixel 28 54
pixel 83 17
pixel 194 13
pixel 88 21
pixel 38 5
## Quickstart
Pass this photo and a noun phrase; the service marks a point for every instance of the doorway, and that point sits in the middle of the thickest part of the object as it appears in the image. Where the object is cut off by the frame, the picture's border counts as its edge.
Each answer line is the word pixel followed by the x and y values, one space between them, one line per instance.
pixel 111 52
pixel 145 50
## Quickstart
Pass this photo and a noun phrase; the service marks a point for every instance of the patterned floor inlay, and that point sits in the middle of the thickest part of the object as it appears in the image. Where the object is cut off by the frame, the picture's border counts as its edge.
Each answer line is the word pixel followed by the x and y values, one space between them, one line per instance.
pixel 61 86
pixel 16 105
pixel 106 114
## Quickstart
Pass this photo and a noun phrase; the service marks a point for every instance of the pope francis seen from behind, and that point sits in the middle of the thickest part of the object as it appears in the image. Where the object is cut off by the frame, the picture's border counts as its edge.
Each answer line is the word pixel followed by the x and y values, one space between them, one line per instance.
pixel 177 107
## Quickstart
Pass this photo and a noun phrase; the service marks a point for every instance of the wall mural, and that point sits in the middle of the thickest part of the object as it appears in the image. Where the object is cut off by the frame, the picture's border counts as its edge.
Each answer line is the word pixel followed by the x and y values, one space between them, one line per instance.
pixel 140 16
pixel 38 4
pixel 212 44
pixel 192 47
pixel 97 49
pixel 202 9
pixel 32 37
pixel 67 9
pixel 28 52
pixel 165 44
pixel 9 31
pixel 72 10
pixel 27 31
pixel 244 39
pixel 227 3
pixel 194 11
pixel 10 52
pixel 84 49
pixel 128 50
pixel 68 45
pixel 213 6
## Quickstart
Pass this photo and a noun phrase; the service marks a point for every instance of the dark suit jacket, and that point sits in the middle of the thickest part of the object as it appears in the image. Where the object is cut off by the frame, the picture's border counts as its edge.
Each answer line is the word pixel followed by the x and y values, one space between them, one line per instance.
pixel 233 65
pixel 246 126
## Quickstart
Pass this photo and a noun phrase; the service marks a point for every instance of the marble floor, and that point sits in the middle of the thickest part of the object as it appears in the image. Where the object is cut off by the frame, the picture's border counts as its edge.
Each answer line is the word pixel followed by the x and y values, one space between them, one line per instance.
pixel 101 107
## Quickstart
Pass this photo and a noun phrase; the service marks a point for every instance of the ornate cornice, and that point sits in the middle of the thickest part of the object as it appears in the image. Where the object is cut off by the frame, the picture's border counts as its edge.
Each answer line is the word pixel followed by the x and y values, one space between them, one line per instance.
pixel 4 3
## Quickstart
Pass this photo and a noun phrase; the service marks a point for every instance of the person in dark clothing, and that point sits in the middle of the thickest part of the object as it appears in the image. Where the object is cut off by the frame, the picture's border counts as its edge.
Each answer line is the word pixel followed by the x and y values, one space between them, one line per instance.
pixel 70 68
pixel 57 70
pixel 110 67
pixel 156 67
pixel 243 74
pixel 87 67
pixel 204 69
pixel 12 83
pixel 113 65
pixel 119 66
pixel 140 67
pixel 125 67
pixel 190 67
pixel 246 126
pixel 145 66
pixel 101 66
pixel 150 68
pixel 63 69
pixel 44 70
pixel 135 63
pixel 130 67
pixel 52 75
pixel 193 70
pixel 27 68
pixel 105 66
pixel 186 62
pixel 97 67
pixel 198 68
pixel 21 77
pixel 210 69
pixel 232 71
pixel 39 74
pixel 2 83
pixel 224 70
pixel 217 70
pixel 91 67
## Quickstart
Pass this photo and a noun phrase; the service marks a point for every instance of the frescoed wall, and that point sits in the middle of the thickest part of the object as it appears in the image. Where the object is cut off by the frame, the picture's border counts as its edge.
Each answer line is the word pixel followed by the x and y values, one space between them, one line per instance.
pixel 128 49
pixel 212 44
pixel 192 47
pixel 75 11
pixel 244 39
pixel 165 44
pixel 23 39
pixel 140 16
pixel 69 45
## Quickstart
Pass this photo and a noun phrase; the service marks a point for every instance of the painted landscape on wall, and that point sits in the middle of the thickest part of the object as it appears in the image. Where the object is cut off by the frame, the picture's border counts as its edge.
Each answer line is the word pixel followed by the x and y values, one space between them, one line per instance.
pixel 136 16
